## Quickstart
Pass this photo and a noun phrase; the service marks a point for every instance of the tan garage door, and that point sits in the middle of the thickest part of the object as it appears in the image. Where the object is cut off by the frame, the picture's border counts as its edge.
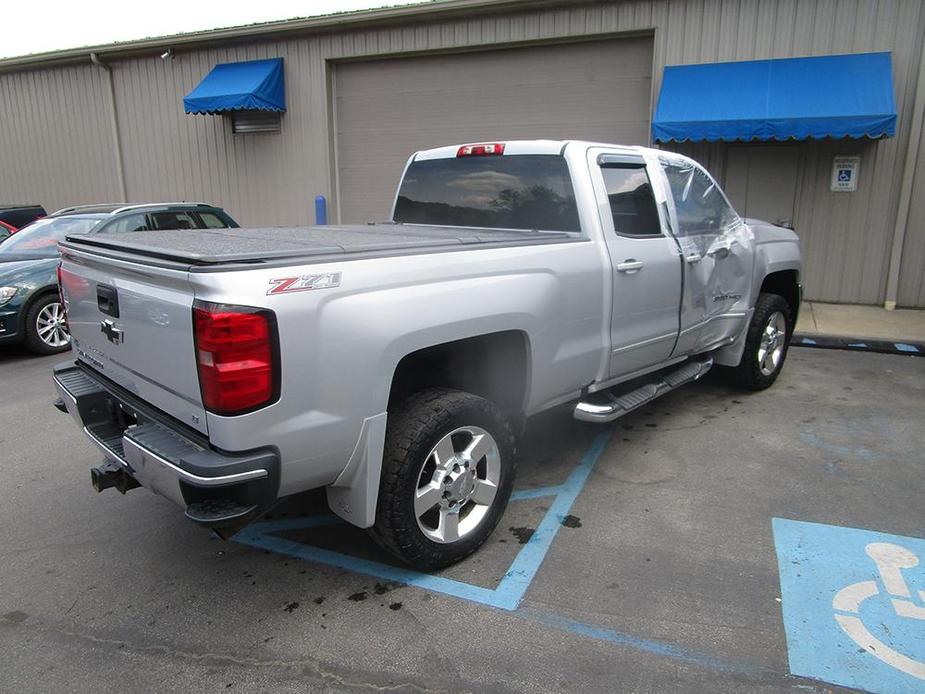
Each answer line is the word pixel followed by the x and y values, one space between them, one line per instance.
pixel 387 109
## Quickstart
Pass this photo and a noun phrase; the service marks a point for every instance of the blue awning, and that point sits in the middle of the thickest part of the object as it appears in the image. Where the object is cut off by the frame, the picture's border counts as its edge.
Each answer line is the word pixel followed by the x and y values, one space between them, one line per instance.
pixel 254 85
pixel 790 98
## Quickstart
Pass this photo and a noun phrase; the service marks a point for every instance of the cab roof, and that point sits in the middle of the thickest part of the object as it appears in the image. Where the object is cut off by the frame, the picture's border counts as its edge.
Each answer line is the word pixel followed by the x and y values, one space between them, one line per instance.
pixel 523 147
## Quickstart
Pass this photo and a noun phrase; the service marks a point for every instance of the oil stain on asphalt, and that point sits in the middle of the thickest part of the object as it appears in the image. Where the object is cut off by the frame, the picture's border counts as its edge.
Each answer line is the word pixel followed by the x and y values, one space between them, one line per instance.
pixel 522 534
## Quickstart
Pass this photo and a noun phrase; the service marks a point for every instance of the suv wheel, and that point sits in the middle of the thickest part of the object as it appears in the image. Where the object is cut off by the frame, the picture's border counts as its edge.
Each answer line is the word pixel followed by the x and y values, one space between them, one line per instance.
pixel 46 329
pixel 447 475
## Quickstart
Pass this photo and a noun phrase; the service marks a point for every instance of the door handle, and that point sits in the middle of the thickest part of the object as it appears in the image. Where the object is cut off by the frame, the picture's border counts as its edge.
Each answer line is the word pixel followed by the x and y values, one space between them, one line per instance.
pixel 693 258
pixel 629 265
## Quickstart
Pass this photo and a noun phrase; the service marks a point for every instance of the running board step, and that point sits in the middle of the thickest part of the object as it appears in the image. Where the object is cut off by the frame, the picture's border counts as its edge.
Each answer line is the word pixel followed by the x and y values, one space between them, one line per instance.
pixel 618 405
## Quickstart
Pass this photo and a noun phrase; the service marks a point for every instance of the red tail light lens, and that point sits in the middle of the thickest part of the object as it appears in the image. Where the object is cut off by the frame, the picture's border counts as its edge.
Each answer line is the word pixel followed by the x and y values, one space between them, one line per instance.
pixel 485 150
pixel 237 353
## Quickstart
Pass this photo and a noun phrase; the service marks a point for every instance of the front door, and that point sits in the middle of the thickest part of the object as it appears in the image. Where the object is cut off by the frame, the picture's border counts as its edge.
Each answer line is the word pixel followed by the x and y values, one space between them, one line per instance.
pixel 718 255
pixel 645 265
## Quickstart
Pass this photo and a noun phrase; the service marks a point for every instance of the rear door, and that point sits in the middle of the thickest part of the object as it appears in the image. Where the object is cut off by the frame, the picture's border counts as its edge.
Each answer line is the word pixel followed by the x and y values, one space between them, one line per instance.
pixel 133 324
pixel 645 265
pixel 718 255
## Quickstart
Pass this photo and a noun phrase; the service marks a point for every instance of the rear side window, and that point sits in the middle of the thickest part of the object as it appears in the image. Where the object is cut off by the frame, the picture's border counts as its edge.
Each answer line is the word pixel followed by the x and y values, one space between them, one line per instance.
pixel 132 222
pixel 210 220
pixel 524 191
pixel 632 204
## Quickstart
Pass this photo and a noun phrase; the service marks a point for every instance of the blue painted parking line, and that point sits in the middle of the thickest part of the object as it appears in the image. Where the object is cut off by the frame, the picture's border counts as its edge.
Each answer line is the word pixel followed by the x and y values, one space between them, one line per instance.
pixel 638 643
pixel 859 345
pixel 509 591
pixel 853 605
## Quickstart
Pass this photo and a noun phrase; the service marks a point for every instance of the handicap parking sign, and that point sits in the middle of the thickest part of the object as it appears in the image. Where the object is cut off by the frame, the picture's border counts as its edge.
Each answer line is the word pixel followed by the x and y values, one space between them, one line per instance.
pixel 853 605
pixel 845 174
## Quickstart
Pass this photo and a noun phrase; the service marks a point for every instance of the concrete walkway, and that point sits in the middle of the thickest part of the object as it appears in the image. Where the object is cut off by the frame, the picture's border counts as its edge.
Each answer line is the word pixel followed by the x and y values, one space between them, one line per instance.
pixel 874 322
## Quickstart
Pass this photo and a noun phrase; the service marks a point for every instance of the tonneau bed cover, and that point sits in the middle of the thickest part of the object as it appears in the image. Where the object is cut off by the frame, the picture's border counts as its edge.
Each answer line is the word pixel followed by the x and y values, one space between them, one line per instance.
pixel 219 246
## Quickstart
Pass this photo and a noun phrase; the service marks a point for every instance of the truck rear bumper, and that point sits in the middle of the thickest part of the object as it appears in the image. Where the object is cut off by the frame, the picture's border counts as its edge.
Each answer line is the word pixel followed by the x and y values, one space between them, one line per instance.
pixel 217 489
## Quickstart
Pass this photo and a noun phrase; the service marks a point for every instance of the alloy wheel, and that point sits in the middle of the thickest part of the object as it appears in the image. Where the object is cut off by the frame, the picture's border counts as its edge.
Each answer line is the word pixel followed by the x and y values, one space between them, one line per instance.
pixel 457 484
pixel 51 327
pixel 773 342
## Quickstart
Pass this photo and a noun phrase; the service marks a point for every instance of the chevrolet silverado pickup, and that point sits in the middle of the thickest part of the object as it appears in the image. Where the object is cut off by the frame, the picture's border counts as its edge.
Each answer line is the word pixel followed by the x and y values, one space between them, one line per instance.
pixel 394 363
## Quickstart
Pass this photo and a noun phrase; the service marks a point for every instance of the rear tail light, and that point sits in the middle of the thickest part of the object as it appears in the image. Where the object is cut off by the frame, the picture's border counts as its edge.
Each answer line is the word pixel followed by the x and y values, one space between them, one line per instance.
pixel 483 150
pixel 237 354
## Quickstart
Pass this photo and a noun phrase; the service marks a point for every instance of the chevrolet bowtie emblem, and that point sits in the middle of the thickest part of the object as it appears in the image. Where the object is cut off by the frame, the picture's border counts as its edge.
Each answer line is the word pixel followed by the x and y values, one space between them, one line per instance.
pixel 112 333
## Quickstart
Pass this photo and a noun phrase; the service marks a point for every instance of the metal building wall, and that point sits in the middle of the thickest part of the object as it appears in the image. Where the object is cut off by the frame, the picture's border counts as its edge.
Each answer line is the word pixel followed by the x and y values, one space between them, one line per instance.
pixel 271 179
pixel 912 267
pixel 56 138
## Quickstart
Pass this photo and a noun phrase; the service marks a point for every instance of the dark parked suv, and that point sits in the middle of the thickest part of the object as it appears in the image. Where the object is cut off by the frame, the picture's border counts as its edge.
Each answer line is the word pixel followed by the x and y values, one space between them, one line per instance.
pixel 30 308
pixel 13 217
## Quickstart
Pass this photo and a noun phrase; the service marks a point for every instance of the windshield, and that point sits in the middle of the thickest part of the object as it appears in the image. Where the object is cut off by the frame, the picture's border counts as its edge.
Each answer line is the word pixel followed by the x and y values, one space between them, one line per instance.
pixel 524 191
pixel 40 239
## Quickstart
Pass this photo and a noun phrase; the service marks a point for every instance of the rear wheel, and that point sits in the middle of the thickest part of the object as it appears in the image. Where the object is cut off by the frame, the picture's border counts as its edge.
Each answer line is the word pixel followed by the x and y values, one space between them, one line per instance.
pixel 45 329
pixel 766 343
pixel 447 474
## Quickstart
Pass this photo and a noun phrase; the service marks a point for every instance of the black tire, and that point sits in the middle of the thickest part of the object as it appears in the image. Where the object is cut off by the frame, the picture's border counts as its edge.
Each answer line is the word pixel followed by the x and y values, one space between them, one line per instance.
pixel 749 374
pixel 414 429
pixel 33 341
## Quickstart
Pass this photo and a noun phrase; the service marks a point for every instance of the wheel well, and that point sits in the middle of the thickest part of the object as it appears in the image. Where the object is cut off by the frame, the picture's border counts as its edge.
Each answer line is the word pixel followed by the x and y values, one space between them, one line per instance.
pixel 37 295
pixel 785 284
pixel 493 366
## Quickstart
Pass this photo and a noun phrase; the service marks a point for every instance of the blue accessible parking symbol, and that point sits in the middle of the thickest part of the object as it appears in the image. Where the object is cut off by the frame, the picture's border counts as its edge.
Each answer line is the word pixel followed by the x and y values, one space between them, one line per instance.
pixel 853 605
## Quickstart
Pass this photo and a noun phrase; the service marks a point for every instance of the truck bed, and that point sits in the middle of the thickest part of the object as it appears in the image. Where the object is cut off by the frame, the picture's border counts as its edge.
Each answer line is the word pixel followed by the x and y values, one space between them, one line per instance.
pixel 221 246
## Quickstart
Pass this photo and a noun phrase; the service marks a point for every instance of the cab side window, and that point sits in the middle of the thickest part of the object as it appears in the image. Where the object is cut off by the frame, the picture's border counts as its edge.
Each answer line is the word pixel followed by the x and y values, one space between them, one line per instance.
pixel 701 207
pixel 632 204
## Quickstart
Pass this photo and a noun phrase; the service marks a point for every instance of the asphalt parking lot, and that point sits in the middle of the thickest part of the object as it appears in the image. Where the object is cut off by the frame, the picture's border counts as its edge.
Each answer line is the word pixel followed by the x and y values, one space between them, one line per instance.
pixel 643 556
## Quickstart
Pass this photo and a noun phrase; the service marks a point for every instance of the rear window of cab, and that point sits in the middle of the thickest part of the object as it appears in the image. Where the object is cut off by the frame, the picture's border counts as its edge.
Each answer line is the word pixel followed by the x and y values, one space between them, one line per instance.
pixel 522 191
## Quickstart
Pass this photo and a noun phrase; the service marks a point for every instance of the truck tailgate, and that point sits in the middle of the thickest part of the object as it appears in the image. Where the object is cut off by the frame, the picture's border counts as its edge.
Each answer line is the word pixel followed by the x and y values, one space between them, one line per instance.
pixel 133 324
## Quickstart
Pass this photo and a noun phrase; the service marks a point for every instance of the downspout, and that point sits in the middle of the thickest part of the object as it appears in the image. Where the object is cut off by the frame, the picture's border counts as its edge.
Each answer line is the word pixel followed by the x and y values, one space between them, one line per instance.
pixel 114 122
pixel 905 191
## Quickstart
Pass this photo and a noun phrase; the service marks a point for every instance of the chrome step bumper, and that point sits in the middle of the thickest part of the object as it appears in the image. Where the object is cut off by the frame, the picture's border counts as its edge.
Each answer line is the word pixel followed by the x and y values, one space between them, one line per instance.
pixel 618 405
pixel 147 450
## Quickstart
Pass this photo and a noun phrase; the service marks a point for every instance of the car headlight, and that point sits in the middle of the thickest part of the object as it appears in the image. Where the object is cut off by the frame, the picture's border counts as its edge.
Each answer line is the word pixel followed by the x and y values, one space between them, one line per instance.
pixel 7 293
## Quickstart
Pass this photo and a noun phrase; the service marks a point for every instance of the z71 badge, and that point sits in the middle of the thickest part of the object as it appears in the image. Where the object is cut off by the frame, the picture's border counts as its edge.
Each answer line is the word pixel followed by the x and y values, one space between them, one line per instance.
pixel 304 283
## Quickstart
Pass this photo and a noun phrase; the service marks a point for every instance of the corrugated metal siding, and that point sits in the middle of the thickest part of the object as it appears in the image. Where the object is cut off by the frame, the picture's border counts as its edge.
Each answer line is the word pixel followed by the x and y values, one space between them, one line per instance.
pixel 912 270
pixel 387 108
pixel 55 138
pixel 272 178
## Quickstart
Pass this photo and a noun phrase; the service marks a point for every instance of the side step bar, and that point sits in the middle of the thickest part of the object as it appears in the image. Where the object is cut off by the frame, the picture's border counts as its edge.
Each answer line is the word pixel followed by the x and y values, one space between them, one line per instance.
pixel 618 405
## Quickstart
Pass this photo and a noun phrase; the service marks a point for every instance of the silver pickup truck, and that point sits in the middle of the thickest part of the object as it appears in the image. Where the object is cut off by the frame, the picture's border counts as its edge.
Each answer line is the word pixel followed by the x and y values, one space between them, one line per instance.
pixel 394 363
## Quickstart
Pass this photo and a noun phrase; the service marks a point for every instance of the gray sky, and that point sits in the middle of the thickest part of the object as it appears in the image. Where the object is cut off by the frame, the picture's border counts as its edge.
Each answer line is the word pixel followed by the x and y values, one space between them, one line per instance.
pixel 48 25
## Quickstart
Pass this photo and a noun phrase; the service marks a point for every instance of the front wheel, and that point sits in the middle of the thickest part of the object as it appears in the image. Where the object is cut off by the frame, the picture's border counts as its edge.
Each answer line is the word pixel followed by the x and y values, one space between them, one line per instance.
pixel 447 475
pixel 45 326
pixel 766 343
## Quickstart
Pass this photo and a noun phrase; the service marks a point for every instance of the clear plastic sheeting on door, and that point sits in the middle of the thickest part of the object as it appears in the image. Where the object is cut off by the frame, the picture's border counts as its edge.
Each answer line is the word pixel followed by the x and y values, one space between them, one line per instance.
pixel 717 247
